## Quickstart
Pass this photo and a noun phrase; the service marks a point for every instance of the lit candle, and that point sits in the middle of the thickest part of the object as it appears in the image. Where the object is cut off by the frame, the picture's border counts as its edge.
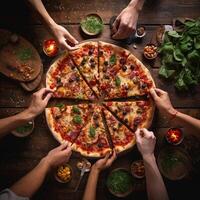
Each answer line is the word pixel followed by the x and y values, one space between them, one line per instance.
pixel 174 136
pixel 50 47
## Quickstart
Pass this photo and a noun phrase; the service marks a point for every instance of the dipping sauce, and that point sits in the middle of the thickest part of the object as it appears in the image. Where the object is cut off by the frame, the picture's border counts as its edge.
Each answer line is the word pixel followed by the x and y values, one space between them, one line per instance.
pixel 137 169
pixel 174 136
pixel 50 47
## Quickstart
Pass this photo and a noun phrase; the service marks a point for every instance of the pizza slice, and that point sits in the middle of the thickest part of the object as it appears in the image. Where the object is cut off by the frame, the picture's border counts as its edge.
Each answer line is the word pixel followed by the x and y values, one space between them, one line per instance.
pixel 86 60
pixel 66 81
pixel 135 114
pixel 92 140
pixel 122 137
pixel 66 122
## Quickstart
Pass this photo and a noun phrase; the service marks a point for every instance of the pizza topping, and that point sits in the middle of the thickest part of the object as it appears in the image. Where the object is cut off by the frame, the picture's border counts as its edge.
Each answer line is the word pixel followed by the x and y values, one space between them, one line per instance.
pixel 132 67
pixel 92 131
pixel 83 61
pixel 124 68
pixel 91 51
pixel 113 59
pixel 100 53
pixel 137 121
pixel 117 81
pixel 77 119
pixel 76 110
pixel 106 63
pixel 122 61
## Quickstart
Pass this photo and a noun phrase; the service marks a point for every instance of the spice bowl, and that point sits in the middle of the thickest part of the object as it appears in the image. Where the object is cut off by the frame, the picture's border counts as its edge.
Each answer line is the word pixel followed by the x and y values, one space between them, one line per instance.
pixel 150 51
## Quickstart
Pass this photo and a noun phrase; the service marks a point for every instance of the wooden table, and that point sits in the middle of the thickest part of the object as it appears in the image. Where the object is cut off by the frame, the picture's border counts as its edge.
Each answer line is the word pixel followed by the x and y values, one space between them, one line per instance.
pixel 18 156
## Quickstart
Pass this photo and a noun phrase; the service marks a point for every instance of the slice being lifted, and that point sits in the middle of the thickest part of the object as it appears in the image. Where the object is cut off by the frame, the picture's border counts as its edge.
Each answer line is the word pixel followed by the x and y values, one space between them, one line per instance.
pixel 111 59
pixel 64 78
pixel 135 114
pixel 66 122
pixel 122 138
pixel 92 140
pixel 86 60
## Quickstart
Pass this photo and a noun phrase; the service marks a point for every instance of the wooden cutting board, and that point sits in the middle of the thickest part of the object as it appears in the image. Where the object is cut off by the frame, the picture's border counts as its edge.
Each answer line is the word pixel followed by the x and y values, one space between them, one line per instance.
pixel 19 60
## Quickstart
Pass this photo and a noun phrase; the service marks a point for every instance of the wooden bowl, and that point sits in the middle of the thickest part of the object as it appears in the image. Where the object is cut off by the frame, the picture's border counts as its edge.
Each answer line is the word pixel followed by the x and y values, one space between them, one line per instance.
pixel 60 180
pixel 155 52
pixel 25 134
pixel 128 192
pixel 86 31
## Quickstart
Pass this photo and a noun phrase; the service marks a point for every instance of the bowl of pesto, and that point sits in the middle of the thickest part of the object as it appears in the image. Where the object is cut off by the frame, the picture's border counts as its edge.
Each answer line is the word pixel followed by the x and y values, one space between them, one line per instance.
pixel 92 24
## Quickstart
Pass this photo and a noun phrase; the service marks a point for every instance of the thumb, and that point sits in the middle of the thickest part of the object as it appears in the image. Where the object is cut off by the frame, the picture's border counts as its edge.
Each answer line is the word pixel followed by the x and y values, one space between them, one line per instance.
pixel 153 94
pixel 71 39
pixel 48 96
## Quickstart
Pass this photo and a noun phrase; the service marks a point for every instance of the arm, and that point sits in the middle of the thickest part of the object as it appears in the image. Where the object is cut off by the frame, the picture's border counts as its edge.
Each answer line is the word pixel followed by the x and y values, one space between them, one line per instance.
pixel 37 105
pixel 155 186
pixel 126 22
pixel 164 105
pixel 30 183
pixel 62 36
pixel 90 191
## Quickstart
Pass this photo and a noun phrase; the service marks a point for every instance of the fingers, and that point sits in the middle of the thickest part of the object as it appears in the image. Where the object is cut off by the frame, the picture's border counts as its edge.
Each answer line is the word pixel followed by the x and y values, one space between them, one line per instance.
pixel 49 95
pixel 112 158
pixel 64 45
pixel 153 93
pixel 148 134
pixel 159 91
pixel 138 135
pixel 69 37
pixel 63 146
pixel 115 26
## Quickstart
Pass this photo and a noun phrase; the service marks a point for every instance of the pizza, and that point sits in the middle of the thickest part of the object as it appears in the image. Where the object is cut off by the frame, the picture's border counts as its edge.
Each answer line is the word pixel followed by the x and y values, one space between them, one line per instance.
pixel 117 86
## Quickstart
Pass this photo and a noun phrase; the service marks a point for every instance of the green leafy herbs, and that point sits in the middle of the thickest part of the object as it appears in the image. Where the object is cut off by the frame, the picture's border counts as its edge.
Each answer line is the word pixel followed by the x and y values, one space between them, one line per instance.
pixel 119 181
pixel 92 24
pixel 76 110
pixel 60 105
pixel 92 131
pixel 117 81
pixel 180 56
pixel 25 54
pixel 113 59
pixel 25 128
pixel 77 119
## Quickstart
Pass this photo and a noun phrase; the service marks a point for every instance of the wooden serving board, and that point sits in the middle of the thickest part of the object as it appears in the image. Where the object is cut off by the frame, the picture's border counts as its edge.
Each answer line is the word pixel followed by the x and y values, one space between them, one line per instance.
pixel 19 60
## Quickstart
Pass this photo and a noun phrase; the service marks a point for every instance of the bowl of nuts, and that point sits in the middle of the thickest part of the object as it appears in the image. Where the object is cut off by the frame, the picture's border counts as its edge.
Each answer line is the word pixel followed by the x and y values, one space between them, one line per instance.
pixel 63 173
pixel 150 51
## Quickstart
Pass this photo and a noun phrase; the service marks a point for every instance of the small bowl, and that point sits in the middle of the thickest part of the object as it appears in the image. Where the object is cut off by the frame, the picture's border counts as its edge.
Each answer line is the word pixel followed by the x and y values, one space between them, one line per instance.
pixel 138 165
pixel 174 163
pixel 80 164
pixel 85 30
pixel 58 178
pixel 129 191
pixel 174 136
pixel 25 128
pixel 50 47
pixel 139 30
pixel 153 51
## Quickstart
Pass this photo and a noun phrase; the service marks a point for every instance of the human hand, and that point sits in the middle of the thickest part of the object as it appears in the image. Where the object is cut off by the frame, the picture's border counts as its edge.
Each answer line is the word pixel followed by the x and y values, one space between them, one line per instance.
pixel 125 23
pixel 39 101
pixel 64 38
pixel 163 102
pixel 104 162
pixel 145 142
pixel 58 156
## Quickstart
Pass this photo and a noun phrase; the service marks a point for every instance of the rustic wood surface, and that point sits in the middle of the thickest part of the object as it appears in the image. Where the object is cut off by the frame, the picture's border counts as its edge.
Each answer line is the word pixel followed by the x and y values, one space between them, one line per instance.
pixel 18 156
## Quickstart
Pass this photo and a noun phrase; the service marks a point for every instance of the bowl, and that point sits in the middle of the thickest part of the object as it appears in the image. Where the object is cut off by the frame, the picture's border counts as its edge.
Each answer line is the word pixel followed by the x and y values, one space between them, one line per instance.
pixel 140 32
pixel 137 169
pixel 92 24
pixel 24 130
pixel 60 170
pixel 174 136
pixel 120 182
pixel 174 163
pixel 150 51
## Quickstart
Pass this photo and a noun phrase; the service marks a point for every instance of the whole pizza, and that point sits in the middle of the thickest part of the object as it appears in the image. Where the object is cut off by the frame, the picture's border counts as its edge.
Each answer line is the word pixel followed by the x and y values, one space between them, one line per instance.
pixel 112 88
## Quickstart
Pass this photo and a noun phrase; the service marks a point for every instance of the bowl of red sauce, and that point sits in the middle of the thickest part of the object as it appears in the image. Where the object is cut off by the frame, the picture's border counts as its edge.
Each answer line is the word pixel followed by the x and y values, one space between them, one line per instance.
pixel 174 136
pixel 50 47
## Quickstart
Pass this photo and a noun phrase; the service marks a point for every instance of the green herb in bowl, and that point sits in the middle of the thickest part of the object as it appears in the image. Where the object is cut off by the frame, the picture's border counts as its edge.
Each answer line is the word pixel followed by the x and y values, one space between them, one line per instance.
pixel 120 182
pixel 92 24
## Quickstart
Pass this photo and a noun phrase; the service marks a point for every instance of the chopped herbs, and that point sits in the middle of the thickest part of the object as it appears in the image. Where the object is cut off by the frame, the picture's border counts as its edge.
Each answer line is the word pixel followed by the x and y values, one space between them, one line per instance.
pixel 113 59
pixel 119 181
pixel 76 110
pixel 180 55
pixel 117 81
pixel 77 119
pixel 24 54
pixel 25 128
pixel 92 131
pixel 92 24
pixel 60 105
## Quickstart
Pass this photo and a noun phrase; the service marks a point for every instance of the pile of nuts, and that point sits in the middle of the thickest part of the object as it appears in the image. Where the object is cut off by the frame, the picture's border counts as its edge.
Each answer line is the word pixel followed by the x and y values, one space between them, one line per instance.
pixel 150 51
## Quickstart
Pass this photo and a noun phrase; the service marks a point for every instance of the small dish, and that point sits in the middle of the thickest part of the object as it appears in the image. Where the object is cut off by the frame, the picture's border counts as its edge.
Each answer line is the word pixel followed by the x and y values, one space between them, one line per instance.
pixel 80 165
pixel 174 136
pixel 120 182
pixel 150 51
pixel 174 163
pixel 63 173
pixel 92 24
pixel 137 169
pixel 24 130
pixel 50 47
pixel 140 32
